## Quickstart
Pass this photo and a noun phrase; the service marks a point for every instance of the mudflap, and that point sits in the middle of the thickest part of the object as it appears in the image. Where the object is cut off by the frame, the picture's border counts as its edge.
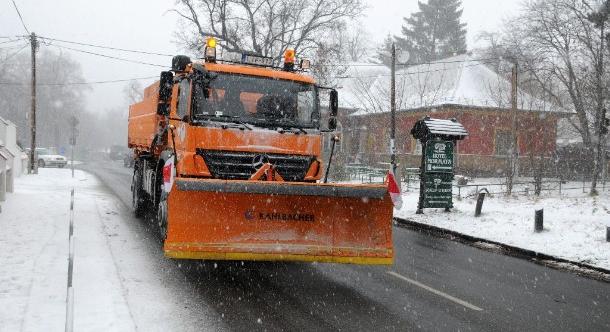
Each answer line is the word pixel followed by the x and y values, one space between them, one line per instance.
pixel 279 221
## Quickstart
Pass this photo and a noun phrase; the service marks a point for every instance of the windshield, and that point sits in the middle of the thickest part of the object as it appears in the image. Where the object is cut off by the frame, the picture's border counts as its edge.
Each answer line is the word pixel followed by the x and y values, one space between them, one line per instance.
pixel 255 100
pixel 43 151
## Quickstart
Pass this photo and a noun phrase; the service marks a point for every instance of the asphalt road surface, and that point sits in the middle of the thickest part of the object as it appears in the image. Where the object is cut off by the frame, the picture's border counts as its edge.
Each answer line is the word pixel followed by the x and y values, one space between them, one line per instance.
pixel 435 284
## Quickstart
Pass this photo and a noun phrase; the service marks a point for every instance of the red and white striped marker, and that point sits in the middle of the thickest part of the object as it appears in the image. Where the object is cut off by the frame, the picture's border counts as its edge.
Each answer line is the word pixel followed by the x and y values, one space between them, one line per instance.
pixel 394 189
pixel 169 172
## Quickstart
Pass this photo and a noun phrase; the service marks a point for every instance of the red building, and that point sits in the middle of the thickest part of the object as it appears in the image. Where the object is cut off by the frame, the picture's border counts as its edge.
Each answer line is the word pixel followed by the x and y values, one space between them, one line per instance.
pixel 452 88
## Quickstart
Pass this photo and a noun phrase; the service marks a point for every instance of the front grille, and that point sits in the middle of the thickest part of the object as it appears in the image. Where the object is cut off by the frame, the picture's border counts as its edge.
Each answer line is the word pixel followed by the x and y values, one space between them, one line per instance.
pixel 231 165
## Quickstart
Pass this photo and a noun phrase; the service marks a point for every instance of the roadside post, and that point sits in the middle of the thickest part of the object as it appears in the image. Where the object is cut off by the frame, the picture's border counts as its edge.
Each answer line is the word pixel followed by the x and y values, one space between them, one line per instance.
pixel 480 200
pixel 438 138
pixel 539 221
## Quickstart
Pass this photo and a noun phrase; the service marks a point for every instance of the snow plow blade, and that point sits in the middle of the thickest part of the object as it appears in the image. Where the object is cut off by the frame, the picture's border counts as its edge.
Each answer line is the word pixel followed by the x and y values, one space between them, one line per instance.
pixel 279 221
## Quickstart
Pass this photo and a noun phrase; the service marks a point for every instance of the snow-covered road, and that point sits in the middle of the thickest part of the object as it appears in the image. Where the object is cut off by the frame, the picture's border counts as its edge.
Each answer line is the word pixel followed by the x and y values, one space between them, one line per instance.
pixel 124 283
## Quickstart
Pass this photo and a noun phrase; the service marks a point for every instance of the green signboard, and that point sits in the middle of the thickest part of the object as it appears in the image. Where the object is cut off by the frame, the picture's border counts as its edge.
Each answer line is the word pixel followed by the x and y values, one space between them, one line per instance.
pixel 438 190
pixel 439 157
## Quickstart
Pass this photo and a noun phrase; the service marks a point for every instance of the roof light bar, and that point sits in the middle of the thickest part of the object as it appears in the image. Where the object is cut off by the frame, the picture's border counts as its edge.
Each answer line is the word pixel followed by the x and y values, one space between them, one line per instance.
pixel 289 59
pixel 210 50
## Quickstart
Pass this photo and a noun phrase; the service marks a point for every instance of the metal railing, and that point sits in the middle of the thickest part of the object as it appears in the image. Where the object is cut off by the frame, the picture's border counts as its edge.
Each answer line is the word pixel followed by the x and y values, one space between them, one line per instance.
pixel 410 182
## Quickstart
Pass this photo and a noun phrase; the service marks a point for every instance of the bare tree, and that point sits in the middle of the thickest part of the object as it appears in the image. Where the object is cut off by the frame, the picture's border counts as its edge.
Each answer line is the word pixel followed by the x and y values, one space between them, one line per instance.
pixel 266 27
pixel 354 43
pixel 554 42
pixel 57 100
pixel 134 92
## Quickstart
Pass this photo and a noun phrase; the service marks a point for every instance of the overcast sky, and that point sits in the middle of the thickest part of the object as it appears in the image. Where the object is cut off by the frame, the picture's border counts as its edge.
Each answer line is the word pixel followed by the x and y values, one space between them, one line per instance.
pixel 146 25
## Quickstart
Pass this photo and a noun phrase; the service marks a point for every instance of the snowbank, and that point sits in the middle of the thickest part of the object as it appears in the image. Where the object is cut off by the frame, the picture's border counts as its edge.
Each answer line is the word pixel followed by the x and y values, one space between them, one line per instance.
pixel 34 242
pixel 574 223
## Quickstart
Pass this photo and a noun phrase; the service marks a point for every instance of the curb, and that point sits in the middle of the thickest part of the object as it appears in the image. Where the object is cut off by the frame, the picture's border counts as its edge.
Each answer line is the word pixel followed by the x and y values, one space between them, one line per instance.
pixel 590 271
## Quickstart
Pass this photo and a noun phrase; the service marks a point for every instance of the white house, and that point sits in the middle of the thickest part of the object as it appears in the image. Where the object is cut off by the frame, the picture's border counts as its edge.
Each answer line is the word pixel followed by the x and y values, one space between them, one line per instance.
pixel 11 157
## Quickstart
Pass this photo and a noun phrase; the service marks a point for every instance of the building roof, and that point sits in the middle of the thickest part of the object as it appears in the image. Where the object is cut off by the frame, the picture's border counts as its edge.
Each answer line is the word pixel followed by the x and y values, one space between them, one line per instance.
pixel 355 88
pixel 460 80
pixel 438 127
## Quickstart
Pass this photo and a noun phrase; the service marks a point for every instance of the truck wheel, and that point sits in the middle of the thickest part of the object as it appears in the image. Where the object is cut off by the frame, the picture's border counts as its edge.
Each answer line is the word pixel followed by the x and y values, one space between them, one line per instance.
pixel 161 203
pixel 162 217
pixel 41 163
pixel 138 199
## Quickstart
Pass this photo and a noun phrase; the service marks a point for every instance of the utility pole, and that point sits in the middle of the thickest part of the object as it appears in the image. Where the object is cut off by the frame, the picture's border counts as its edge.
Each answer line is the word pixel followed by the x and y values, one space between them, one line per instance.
pixel 514 146
pixel 599 117
pixel 393 112
pixel 73 124
pixel 33 164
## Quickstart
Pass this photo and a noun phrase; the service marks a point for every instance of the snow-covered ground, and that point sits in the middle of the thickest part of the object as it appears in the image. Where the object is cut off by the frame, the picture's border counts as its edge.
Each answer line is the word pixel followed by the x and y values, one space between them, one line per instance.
pixel 34 242
pixel 574 223
pixel 121 282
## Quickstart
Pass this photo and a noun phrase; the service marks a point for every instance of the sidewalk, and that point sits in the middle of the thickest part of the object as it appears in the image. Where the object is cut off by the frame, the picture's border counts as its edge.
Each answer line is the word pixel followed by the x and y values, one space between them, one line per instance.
pixel 34 243
pixel 574 223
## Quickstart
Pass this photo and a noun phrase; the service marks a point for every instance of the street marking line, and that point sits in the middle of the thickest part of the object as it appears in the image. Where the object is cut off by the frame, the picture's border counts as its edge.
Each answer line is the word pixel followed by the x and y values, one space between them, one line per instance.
pixel 435 291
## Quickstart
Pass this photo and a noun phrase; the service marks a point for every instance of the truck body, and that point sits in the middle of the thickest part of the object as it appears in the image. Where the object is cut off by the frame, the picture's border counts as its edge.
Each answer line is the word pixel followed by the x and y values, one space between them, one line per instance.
pixel 228 159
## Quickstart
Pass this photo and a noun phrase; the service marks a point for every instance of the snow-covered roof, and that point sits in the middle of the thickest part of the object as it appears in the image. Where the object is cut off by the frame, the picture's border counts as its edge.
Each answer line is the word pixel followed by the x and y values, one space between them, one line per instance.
pixel 439 127
pixel 354 88
pixel 459 80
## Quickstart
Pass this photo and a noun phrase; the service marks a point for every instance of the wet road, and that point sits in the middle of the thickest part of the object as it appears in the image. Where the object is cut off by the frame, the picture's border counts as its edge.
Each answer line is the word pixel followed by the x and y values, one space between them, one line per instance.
pixel 435 284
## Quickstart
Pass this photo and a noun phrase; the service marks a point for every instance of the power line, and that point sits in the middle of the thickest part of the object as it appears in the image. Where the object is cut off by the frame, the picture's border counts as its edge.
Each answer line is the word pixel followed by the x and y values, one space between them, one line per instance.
pixel 84 83
pixel 12 55
pixel 409 73
pixel 20 17
pixel 110 56
pixel 11 47
pixel 11 41
pixel 408 64
pixel 106 47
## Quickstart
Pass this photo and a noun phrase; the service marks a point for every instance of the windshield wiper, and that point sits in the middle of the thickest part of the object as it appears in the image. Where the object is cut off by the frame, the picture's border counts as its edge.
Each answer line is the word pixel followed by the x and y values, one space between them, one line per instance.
pixel 295 130
pixel 231 118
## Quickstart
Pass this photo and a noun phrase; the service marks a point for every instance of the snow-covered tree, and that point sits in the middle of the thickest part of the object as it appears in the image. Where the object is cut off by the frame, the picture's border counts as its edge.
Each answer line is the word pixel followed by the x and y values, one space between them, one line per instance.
pixel 265 27
pixel 383 56
pixel 434 32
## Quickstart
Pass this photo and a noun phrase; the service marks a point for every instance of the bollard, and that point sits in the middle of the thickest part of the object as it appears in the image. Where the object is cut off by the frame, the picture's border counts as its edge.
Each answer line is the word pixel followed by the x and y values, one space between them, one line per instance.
pixel 539 221
pixel 480 199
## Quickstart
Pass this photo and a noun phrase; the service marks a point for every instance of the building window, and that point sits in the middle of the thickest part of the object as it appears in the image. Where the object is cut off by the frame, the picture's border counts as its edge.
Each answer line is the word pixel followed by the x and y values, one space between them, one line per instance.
pixel 183 95
pixel 503 143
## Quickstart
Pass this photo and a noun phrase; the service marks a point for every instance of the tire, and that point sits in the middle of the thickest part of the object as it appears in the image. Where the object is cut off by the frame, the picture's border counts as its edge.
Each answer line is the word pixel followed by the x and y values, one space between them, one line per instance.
pixel 62 166
pixel 41 163
pixel 160 201
pixel 138 196
pixel 162 217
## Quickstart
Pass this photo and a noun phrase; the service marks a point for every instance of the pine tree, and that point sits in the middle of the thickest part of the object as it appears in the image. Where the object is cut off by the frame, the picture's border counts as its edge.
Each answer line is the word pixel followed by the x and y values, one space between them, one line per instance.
pixel 383 56
pixel 434 32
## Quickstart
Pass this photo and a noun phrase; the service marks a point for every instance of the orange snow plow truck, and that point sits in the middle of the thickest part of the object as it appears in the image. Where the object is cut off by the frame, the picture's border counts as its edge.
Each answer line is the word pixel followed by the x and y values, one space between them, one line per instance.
pixel 228 164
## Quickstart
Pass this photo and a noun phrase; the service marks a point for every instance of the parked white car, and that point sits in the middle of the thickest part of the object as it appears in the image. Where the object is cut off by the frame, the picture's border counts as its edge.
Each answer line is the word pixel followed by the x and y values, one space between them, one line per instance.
pixel 46 158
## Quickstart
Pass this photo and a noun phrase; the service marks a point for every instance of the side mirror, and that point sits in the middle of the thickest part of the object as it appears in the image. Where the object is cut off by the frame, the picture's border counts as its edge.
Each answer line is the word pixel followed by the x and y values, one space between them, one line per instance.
pixel 332 123
pixel 165 92
pixel 334 102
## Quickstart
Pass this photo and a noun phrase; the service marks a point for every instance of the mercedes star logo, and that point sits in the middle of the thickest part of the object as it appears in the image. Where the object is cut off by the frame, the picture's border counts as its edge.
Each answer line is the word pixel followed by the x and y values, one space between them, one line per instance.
pixel 259 160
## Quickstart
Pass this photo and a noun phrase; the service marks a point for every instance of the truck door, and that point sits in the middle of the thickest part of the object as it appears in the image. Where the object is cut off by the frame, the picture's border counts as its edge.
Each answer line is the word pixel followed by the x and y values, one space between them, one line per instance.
pixel 182 110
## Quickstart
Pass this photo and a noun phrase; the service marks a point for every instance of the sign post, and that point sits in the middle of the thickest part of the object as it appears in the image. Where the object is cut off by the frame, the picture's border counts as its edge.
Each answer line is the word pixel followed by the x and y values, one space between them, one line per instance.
pixel 436 177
